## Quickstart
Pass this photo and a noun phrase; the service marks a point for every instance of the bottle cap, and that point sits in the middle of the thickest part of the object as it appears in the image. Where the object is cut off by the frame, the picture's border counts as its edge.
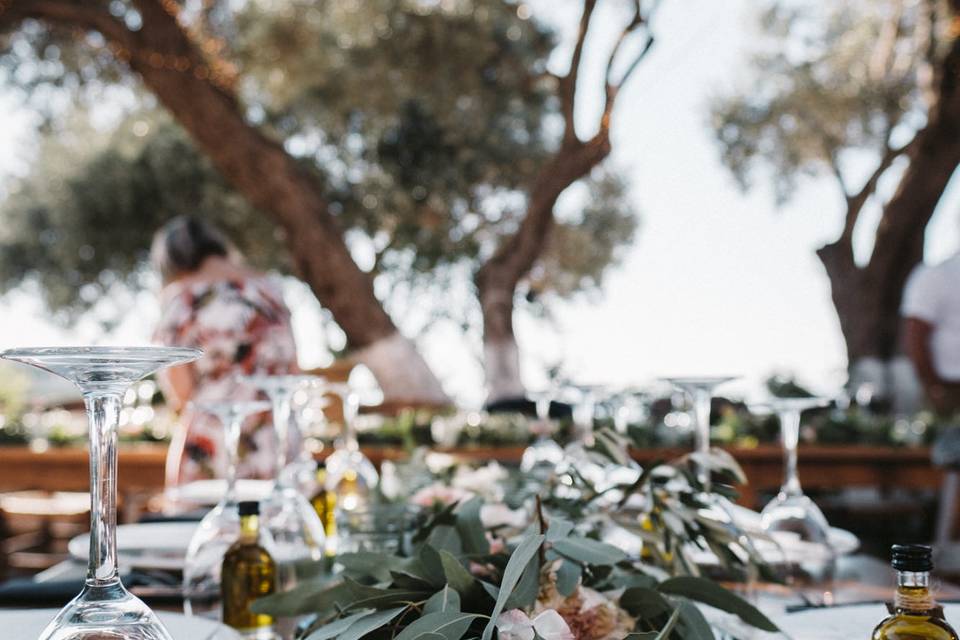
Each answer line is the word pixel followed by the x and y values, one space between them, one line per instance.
pixel 321 464
pixel 911 557
pixel 249 508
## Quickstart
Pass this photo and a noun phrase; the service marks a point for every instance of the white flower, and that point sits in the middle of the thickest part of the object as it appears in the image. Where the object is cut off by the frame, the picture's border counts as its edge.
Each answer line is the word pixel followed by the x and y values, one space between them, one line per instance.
pixel 516 625
pixel 500 515
pixel 485 481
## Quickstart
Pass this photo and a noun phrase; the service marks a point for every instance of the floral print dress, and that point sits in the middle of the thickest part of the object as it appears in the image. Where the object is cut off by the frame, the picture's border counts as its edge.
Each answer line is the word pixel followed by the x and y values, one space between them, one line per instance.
pixel 243 327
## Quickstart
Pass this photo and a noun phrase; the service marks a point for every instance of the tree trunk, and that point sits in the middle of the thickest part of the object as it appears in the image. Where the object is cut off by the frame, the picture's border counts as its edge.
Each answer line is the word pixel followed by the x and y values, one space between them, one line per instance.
pixel 867 299
pixel 497 279
pixel 259 168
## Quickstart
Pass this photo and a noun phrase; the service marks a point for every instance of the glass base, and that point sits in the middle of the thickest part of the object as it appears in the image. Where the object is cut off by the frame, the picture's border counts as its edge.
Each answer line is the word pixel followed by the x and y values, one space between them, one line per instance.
pixel 298 539
pixel 105 611
pixel 219 529
pixel 543 455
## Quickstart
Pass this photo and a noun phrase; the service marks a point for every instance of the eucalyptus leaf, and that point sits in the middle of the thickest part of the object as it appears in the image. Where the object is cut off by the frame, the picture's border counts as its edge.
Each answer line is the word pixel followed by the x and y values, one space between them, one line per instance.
pixel 368 563
pixel 316 596
pixel 667 629
pixel 457 576
pixel 447 599
pixel 710 593
pixel 644 603
pixel 431 565
pixel 568 577
pixel 519 559
pixel 558 528
pixel 450 625
pixel 368 624
pixel 524 595
pixel 336 627
pixel 694 625
pixel 470 527
pixel 588 551
pixel 445 537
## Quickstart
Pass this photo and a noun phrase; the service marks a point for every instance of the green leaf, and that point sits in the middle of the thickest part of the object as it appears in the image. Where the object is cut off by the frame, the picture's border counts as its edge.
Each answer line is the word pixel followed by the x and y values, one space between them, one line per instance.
pixel 511 575
pixel 588 551
pixel 450 625
pixel 568 577
pixel 671 623
pixel 558 528
pixel 694 624
pixel 316 596
pixel 336 627
pixel 525 593
pixel 368 624
pixel 709 592
pixel 443 600
pixel 457 576
pixel 445 537
pixel 644 603
pixel 367 563
pixel 470 527
pixel 430 563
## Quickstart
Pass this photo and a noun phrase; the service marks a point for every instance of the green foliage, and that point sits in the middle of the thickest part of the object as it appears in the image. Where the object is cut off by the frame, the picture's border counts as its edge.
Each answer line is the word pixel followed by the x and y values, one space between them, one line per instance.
pixel 362 600
pixel 424 122
pixel 828 85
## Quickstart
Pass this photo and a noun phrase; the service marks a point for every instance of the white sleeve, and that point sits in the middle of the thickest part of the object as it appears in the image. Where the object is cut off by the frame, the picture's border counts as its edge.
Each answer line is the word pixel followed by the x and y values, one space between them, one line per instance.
pixel 921 295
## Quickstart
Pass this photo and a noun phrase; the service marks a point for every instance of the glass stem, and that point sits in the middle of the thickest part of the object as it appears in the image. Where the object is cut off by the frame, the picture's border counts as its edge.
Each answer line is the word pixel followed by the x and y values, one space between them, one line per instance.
pixel 232 427
pixel 790 437
pixel 103 410
pixel 281 426
pixel 351 408
pixel 701 407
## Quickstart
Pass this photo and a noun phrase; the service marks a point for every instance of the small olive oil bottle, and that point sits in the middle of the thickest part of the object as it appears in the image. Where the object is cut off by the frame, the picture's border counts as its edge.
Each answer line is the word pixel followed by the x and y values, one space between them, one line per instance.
pixel 324 501
pixel 249 573
pixel 916 615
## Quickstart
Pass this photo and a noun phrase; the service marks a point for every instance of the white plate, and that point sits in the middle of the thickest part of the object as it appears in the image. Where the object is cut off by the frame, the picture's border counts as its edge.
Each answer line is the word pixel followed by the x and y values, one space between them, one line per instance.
pixel 843 622
pixel 152 545
pixel 842 541
pixel 209 492
pixel 27 624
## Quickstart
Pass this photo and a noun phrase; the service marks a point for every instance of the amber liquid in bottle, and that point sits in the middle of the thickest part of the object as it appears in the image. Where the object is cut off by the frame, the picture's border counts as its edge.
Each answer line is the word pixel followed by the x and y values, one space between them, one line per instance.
pixel 916 615
pixel 324 502
pixel 249 573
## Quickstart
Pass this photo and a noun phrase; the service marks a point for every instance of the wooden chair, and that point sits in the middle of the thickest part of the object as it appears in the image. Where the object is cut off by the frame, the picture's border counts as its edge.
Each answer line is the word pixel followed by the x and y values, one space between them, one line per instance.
pixel 37 525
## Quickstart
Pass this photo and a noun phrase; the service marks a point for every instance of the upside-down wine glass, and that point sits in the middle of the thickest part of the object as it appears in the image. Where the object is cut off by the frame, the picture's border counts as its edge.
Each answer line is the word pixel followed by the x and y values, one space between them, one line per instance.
pixel 104 608
pixel 350 474
pixel 544 454
pixel 700 391
pixel 792 511
pixel 297 532
pixel 220 528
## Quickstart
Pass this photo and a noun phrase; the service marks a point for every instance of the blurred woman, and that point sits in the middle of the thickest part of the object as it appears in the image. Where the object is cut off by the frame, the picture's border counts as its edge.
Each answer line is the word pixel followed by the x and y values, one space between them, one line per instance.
pixel 212 300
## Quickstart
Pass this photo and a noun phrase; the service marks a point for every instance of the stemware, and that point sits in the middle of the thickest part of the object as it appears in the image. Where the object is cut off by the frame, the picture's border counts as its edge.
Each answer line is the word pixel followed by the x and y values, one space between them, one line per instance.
pixel 544 454
pixel 792 511
pixel 350 474
pixel 221 526
pixel 292 522
pixel 104 608
pixel 700 391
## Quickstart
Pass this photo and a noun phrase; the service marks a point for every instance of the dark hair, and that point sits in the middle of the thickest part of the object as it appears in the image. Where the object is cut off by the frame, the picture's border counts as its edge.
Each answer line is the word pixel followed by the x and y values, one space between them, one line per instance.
pixel 181 245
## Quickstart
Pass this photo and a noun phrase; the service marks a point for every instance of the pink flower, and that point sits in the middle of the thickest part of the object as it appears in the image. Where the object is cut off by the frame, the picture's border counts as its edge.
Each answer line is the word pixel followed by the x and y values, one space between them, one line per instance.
pixel 516 625
pixel 435 494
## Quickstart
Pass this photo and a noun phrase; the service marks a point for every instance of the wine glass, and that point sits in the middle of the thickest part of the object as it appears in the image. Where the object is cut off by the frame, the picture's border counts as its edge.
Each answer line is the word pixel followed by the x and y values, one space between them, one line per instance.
pixel 700 390
pixel 791 511
pixel 350 474
pixel 104 608
pixel 290 519
pixel 221 526
pixel 544 454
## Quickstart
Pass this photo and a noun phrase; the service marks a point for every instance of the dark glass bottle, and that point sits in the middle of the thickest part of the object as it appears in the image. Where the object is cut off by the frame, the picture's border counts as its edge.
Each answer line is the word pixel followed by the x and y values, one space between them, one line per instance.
pixel 249 573
pixel 916 615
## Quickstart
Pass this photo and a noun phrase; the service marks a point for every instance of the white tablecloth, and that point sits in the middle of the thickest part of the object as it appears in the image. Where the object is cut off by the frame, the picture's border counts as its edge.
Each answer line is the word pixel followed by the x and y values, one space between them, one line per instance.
pixel 27 624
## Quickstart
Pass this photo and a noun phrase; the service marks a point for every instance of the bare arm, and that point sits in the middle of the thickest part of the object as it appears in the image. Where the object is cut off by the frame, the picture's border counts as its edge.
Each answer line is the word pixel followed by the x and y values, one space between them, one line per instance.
pixel 178 385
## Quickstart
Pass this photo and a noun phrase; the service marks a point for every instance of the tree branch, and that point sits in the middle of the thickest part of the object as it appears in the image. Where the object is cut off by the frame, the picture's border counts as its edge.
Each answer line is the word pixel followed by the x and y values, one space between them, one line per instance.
pixel 74 13
pixel 568 83
pixel 611 87
pixel 856 202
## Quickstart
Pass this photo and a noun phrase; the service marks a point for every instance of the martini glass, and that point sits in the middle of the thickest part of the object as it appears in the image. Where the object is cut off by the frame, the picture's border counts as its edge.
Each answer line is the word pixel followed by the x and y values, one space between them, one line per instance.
pixel 104 608
pixel 220 528
pixel 700 390
pixel 292 522
pixel 350 474
pixel 791 511
pixel 542 457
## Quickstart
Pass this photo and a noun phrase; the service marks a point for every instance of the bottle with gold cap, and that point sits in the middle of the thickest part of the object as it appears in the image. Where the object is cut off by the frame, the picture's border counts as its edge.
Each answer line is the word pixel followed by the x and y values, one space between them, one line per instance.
pixel 915 615
pixel 249 572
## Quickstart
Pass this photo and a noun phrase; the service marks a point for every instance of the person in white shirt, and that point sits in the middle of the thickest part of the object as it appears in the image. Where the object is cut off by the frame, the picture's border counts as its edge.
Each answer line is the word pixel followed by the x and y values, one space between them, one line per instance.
pixel 931 312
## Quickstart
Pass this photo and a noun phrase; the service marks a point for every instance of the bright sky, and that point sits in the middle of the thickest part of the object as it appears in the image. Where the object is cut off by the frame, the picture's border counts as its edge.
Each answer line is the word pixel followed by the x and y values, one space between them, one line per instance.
pixel 718 281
